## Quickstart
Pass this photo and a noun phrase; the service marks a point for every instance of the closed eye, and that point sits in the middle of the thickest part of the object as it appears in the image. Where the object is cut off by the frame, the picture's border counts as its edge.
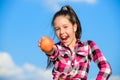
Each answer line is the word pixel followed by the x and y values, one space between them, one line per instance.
pixel 57 29
pixel 65 27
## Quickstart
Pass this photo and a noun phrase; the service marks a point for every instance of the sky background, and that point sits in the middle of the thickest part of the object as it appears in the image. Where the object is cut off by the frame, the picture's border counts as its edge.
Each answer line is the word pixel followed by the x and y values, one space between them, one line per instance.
pixel 24 22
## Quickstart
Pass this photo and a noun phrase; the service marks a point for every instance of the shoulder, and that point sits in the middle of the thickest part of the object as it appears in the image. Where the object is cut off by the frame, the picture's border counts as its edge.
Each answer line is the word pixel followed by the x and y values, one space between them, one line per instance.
pixel 59 45
pixel 88 43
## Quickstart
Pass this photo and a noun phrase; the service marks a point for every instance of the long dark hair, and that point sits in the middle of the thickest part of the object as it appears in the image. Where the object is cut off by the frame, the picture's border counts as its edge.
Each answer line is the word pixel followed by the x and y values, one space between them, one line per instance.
pixel 72 17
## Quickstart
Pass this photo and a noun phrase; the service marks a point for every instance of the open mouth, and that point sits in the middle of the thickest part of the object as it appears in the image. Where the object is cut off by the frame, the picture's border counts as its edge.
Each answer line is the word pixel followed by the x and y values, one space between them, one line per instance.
pixel 64 39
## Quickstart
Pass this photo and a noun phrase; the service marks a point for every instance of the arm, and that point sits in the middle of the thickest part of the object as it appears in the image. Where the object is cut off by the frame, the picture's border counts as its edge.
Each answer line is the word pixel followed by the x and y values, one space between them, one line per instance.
pixel 52 54
pixel 47 45
pixel 100 60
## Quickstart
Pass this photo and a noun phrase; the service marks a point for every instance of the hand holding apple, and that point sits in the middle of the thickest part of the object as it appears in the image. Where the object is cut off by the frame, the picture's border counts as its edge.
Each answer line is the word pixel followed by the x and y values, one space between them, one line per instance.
pixel 46 44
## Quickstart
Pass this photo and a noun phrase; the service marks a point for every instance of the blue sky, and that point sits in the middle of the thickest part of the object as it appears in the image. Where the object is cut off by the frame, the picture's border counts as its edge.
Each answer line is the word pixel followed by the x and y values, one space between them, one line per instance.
pixel 24 22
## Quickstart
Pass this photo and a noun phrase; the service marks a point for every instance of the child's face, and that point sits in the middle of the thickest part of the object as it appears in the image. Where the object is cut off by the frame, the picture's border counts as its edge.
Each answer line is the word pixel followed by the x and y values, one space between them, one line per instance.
pixel 65 30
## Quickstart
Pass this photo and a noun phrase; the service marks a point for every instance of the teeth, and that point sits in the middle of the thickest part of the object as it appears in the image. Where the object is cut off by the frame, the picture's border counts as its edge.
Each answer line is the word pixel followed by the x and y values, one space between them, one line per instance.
pixel 64 37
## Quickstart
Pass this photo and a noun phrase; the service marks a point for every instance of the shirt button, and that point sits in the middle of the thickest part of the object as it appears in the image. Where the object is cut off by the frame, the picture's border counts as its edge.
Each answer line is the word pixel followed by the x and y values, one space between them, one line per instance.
pixel 72 65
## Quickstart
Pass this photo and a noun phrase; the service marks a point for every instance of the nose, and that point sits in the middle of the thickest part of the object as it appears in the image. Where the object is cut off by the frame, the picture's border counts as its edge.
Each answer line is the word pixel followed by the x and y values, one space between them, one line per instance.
pixel 62 31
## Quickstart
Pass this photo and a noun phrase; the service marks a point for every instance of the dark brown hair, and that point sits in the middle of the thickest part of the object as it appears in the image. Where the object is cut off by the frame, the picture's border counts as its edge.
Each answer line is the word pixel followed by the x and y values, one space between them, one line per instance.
pixel 68 11
pixel 72 17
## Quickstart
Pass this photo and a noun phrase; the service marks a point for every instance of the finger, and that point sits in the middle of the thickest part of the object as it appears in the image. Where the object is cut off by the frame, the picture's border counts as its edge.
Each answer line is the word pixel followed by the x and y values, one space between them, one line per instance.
pixel 39 43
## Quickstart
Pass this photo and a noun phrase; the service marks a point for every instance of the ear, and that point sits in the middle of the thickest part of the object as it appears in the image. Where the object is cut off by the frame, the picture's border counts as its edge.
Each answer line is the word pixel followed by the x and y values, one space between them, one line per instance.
pixel 75 27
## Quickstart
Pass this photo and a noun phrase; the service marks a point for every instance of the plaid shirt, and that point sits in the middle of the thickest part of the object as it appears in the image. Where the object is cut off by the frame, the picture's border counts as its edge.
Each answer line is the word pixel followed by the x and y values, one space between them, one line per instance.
pixel 75 65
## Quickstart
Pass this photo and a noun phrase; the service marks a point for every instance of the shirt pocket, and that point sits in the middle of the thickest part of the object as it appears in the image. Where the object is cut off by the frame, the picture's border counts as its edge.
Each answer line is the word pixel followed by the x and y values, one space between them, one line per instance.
pixel 82 56
pixel 82 63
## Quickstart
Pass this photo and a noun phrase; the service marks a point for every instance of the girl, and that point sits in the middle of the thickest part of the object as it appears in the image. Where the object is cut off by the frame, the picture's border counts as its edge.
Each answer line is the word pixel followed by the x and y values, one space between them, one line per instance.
pixel 71 57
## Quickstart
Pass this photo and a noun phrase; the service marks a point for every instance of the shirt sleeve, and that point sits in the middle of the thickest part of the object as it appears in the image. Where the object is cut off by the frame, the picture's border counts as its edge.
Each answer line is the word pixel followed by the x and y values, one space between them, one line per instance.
pixel 54 54
pixel 104 67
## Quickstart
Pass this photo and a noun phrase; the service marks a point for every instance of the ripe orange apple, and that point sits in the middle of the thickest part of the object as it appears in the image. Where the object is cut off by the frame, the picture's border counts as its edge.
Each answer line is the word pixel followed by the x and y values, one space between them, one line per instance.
pixel 46 44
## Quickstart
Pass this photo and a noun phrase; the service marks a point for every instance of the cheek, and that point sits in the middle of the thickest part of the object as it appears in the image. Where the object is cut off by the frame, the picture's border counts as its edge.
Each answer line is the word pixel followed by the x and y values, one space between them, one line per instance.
pixel 57 33
pixel 70 32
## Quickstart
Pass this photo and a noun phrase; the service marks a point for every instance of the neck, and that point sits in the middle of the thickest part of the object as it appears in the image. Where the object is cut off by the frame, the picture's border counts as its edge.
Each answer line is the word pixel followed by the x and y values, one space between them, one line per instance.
pixel 71 46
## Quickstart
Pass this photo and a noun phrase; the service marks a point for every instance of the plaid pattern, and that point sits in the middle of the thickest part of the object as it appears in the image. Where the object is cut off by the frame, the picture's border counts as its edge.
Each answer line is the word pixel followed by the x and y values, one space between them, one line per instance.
pixel 75 65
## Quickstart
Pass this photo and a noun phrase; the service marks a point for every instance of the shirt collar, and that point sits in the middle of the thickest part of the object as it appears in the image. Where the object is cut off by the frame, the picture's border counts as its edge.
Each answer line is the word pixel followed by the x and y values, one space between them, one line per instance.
pixel 78 42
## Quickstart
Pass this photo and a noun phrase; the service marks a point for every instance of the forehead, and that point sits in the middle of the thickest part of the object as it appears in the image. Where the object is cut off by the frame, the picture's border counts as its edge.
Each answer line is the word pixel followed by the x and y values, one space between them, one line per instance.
pixel 59 20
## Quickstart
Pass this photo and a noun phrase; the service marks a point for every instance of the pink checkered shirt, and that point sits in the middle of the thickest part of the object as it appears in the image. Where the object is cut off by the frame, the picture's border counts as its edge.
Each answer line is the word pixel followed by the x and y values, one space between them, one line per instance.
pixel 75 65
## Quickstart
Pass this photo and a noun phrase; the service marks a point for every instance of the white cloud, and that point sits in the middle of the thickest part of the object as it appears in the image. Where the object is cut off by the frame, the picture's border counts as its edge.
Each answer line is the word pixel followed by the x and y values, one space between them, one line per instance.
pixel 8 68
pixel 36 73
pixel 89 1
pixel 115 78
pixel 10 71
pixel 86 1
pixel 55 4
pixel 52 5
